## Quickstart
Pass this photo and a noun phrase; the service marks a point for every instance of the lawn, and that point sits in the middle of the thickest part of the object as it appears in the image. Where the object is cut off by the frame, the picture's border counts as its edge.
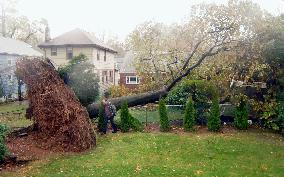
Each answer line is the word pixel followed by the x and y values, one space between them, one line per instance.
pixel 153 116
pixel 13 115
pixel 168 154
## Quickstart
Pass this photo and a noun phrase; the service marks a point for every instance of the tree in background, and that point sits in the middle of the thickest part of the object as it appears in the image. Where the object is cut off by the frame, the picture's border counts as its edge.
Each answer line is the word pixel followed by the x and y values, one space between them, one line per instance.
pixel 241 115
pixel 79 75
pixel 164 119
pixel 214 121
pixel 20 27
pixel 189 116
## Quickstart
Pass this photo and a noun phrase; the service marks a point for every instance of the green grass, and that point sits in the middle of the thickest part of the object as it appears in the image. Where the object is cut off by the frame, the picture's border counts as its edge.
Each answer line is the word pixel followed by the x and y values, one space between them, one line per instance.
pixel 164 154
pixel 153 116
pixel 13 115
pixel 12 107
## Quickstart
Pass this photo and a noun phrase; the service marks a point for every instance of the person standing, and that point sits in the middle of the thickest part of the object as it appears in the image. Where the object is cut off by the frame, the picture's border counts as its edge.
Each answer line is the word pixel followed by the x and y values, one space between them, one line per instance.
pixel 109 113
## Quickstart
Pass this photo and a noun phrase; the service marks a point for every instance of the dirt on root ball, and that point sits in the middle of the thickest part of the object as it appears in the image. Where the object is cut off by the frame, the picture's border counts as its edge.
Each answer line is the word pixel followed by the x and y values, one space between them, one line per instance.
pixel 60 119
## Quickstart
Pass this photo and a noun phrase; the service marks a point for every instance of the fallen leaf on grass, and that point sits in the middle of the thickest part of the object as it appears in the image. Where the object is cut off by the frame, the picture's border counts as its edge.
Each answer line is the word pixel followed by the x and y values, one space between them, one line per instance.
pixel 138 168
pixel 198 172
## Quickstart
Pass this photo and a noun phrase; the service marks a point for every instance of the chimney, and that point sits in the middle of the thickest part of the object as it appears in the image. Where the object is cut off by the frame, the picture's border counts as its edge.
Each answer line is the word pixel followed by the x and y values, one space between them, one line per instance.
pixel 47 34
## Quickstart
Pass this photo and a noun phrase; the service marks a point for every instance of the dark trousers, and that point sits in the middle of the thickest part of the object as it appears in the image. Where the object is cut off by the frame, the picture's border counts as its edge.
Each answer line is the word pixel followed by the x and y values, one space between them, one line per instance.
pixel 113 125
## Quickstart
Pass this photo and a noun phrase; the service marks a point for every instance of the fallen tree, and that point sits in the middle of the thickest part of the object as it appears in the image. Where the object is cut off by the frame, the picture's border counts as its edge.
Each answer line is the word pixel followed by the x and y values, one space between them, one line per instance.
pixel 60 120
pixel 220 44
pixel 211 30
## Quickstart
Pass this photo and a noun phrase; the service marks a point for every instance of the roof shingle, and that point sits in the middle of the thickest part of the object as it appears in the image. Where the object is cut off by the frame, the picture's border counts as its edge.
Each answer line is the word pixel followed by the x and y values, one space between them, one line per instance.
pixel 76 37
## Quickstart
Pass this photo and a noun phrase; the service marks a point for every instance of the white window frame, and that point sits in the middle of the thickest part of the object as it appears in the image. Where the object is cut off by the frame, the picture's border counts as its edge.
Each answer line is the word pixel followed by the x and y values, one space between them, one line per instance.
pixel 69 50
pixel 10 77
pixel 127 81
pixel 9 62
pixel 53 51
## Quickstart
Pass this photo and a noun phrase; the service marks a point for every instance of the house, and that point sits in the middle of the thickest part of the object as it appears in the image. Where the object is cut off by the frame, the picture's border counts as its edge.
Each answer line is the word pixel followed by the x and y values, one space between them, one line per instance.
pixel 127 72
pixel 64 47
pixel 12 50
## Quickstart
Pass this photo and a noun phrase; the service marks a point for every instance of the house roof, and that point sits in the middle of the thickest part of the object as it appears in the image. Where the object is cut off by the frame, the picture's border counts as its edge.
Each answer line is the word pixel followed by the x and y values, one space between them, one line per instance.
pixel 126 63
pixel 76 37
pixel 15 47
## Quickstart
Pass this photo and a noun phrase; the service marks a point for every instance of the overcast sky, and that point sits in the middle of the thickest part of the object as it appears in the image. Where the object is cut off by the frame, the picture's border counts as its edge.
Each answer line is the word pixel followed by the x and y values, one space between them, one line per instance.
pixel 116 17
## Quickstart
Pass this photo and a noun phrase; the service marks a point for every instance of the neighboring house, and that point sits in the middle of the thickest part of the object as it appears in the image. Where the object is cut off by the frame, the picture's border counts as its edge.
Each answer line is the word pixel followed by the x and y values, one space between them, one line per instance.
pixel 12 50
pixel 64 47
pixel 127 72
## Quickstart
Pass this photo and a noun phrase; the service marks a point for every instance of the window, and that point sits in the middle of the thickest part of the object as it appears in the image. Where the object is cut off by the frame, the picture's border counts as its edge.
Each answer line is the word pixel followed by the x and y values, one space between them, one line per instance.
pixel 9 62
pixel 10 77
pixel 132 80
pixel 69 53
pixel 105 56
pixel 53 51
pixel 98 54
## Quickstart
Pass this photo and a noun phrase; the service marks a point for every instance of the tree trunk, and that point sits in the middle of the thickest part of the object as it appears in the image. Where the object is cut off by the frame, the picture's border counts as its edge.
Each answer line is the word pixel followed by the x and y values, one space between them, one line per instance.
pixel 133 100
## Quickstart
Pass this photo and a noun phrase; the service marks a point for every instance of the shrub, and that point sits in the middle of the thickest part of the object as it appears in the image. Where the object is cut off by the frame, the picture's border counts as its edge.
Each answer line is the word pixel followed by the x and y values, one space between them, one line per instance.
pixel 3 148
pixel 101 121
pixel 202 92
pixel 135 124
pixel 124 116
pixel 241 115
pixel 280 118
pixel 214 121
pixel 190 115
pixel 119 91
pixel 164 120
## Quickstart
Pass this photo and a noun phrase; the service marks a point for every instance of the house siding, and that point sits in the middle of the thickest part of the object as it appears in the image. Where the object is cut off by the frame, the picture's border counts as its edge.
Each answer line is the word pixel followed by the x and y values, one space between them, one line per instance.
pixel 8 77
pixel 61 58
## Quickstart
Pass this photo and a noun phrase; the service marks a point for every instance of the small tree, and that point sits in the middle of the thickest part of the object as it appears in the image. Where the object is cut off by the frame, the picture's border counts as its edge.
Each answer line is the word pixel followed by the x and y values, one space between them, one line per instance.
pixel 164 120
pixel 214 121
pixel 1 88
pixel 79 75
pixel 3 148
pixel 101 121
pixel 124 116
pixel 189 117
pixel 241 115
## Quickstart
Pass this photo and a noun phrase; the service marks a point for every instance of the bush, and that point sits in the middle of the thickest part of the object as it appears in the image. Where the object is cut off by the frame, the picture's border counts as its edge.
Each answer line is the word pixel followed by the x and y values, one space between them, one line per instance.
pixel 214 121
pixel 164 120
pixel 202 92
pixel 3 148
pixel 124 116
pixel 101 121
pixel 241 115
pixel 190 115
pixel 280 118
pixel 135 124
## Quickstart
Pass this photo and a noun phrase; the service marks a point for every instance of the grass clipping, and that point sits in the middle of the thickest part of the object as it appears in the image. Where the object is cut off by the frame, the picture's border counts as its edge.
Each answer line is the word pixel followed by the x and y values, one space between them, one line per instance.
pixel 61 121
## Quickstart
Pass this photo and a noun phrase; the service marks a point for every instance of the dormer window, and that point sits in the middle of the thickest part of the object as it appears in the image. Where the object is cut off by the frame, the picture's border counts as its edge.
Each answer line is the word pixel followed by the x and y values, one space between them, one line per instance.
pixel 53 51
pixel 69 53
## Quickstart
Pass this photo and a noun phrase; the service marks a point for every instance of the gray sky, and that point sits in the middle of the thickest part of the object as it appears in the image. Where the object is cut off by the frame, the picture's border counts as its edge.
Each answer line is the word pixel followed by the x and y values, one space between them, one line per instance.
pixel 116 17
